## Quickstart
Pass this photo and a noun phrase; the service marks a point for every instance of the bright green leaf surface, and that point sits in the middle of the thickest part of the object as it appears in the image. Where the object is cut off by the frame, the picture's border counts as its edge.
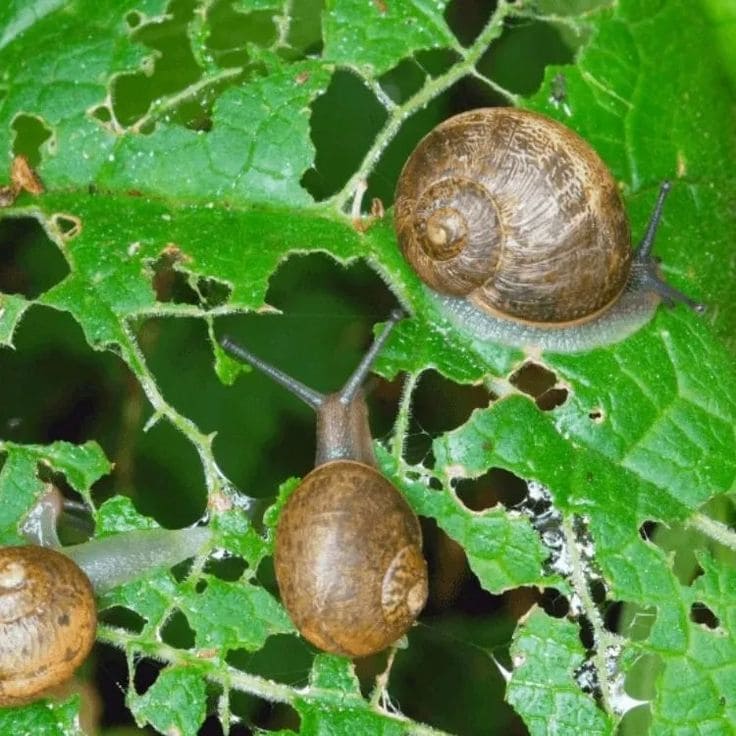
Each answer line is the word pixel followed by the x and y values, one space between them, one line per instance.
pixel 180 156
pixel 233 616
pixel 546 652
pixel 175 703
pixel 51 719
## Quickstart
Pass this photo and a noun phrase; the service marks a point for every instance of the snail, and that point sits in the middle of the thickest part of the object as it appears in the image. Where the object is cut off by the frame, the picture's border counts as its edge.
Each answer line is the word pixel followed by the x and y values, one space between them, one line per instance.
pixel 348 555
pixel 519 226
pixel 48 612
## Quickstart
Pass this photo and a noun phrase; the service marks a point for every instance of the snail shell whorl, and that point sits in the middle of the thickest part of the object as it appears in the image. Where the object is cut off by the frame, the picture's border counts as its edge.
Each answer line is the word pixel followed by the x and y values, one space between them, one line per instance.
pixel 518 213
pixel 47 621
pixel 348 559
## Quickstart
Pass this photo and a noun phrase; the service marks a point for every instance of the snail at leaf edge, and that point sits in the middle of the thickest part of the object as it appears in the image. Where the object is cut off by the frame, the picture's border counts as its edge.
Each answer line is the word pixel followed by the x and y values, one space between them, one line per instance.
pixel 516 221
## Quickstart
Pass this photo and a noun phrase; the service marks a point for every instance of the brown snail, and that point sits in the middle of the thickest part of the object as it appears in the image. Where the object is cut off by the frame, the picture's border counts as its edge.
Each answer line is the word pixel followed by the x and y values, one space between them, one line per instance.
pixel 48 611
pixel 348 555
pixel 516 220
pixel 47 621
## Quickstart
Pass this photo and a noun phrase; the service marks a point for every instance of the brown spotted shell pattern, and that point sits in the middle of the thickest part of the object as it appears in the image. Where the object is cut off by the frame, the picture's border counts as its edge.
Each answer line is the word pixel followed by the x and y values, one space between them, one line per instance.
pixel 348 559
pixel 517 213
pixel 47 621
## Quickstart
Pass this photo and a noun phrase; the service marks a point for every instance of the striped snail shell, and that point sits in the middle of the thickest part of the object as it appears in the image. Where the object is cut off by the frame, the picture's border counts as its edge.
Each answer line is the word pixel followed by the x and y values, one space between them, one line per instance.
pixel 518 217
pixel 48 621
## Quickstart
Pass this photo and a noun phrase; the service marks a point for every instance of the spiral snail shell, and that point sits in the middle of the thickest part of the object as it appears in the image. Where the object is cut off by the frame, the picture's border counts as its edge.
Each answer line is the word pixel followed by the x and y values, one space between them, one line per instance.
pixel 520 217
pixel 47 621
pixel 348 555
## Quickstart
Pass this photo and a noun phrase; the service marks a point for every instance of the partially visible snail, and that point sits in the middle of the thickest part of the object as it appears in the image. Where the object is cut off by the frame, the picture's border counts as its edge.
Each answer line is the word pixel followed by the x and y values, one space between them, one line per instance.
pixel 47 600
pixel 518 222
pixel 48 621
pixel 348 555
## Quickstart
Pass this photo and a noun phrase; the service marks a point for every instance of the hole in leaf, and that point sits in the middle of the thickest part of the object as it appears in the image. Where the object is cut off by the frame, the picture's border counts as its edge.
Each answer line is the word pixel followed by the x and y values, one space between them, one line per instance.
pixel 553 603
pixel 636 720
pixel 466 18
pixel 177 632
pixel 81 395
pixel 111 686
pixel 172 70
pixel 122 618
pixel 345 105
pixel 30 132
pixel 133 19
pixel 646 530
pixel 146 673
pixel 328 312
pixel 262 716
pixel 448 570
pixel 517 60
pixel 68 226
pixel 31 263
pixel 410 74
pixel 586 633
pixel 642 676
pixel 679 543
pixel 283 658
pixel 598 591
pixel 165 455
pixel 631 620
pixel 596 415
pixel 404 80
pixel 533 379
pixel 200 586
pixel 102 113
pixel 231 32
pixel 552 399
pixel 701 614
pixel 453 661
pixel 212 292
pixel 170 283
pixel 493 487
pixel 226 568
pixel 440 405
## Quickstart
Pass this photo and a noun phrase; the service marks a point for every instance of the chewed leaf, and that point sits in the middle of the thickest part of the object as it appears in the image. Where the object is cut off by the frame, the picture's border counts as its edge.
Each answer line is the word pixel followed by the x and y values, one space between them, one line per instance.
pixel 200 164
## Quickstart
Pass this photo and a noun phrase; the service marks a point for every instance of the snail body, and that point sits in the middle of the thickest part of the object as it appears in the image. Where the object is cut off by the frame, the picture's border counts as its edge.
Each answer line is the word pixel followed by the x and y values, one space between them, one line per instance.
pixel 48 612
pixel 47 621
pixel 348 555
pixel 514 218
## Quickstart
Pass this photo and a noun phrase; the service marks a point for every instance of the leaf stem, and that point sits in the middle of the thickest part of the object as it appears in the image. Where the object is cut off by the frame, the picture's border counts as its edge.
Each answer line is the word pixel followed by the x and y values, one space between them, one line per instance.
pixel 164 104
pixel 403 416
pixel 602 638
pixel 231 678
pixel 431 89
pixel 714 529
pixel 214 478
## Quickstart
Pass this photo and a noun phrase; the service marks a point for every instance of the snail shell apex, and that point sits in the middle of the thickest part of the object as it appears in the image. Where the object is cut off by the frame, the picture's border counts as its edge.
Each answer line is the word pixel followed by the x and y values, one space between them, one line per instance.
pixel 517 213
pixel 47 621
pixel 348 559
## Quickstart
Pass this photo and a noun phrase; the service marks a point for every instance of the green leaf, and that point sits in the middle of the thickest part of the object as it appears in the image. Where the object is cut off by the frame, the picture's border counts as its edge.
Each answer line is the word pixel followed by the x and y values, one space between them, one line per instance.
pixel 12 308
pixel 233 615
pixel 175 703
pixel 42 719
pixel 364 34
pixel 20 485
pixel 546 652
pixel 182 156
